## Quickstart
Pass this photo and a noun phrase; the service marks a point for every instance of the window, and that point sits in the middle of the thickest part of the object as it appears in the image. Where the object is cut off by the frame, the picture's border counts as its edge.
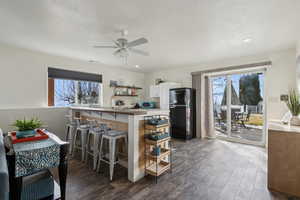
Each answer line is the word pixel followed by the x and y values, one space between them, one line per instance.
pixel 88 92
pixel 66 88
pixel 64 92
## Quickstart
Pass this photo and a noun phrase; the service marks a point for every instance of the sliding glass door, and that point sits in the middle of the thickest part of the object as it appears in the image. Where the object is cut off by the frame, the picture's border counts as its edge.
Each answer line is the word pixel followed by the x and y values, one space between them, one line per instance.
pixel 238 103
pixel 219 85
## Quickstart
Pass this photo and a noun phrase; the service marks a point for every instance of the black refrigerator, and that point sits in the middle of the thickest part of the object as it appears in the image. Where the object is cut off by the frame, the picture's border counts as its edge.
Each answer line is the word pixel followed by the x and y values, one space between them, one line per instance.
pixel 183 113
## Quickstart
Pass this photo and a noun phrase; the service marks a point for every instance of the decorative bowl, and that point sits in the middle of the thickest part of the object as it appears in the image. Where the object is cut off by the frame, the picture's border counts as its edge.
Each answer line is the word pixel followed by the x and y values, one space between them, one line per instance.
pixel 156 151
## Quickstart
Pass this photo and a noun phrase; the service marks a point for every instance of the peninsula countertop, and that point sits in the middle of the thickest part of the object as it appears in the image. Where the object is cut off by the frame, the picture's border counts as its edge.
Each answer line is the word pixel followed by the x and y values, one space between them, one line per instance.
pixel 127 111
pixel 279 126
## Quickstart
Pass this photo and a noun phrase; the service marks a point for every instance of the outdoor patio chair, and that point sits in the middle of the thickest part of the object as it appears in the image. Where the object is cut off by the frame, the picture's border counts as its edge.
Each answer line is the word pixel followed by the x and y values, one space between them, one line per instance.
pixel 245 118
pixel 223 119
pixel 234 120
pixel 217 117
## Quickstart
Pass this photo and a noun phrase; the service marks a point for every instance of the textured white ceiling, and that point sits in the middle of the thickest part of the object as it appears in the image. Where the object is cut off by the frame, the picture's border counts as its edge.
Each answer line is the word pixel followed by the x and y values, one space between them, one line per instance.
pixel 180 32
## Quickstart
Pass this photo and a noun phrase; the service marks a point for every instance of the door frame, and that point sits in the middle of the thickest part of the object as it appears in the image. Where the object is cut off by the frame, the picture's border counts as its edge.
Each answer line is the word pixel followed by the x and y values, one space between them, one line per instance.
pixel 262 70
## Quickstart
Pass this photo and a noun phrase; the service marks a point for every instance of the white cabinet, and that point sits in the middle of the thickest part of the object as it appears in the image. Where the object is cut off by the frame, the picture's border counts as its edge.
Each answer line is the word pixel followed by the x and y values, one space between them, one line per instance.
pixel 162 91
pixel 164 97
pixel 154 91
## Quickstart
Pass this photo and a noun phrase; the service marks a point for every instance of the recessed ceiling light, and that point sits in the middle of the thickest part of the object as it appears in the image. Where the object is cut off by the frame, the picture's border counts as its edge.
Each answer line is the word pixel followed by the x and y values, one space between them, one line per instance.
pixel 247 40
pixel 137 66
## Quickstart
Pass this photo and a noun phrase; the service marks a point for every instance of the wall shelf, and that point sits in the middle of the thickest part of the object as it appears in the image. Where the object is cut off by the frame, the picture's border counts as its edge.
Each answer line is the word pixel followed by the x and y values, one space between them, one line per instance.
pixel 128 87
pixel 160 127
pixel 163 154
pixel 125 95
pixel 131 91
pixel 157 142
pixel 158 169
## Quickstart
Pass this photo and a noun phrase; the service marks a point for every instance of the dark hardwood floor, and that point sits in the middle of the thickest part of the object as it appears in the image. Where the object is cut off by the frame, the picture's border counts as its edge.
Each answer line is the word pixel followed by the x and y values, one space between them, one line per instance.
pixel 207 169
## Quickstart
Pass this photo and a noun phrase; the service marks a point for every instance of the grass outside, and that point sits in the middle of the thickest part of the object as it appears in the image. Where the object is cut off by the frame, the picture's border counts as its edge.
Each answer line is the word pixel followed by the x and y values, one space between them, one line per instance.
pixel 255 119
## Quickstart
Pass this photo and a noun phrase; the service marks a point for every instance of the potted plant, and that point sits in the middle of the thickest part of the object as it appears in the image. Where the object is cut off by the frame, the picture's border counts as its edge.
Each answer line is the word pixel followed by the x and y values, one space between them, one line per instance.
pixel 26 128
pixel 293 104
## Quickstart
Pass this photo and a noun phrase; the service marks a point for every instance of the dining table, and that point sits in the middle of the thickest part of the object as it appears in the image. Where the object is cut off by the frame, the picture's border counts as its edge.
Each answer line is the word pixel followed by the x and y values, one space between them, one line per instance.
pixel 27 158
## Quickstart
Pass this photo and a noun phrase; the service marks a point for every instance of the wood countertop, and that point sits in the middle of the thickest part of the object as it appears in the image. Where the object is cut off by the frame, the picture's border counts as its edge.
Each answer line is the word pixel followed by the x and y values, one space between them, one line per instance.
pixel 126 111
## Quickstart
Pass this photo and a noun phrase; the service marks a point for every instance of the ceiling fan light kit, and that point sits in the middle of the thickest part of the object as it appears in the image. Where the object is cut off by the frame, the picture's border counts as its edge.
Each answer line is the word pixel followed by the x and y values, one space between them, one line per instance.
pixel 123 47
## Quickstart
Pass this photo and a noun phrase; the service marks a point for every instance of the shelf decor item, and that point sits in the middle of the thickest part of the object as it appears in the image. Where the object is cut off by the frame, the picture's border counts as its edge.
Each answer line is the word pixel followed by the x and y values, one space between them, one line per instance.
pixel 293 103
pixel 113 83
pixel 158 81
pixel 156 151
pixel 26 128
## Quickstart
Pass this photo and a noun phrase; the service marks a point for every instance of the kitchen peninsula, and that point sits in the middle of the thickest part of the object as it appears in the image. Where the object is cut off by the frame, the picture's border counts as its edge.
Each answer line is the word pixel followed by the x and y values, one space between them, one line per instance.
pixel 130 120
pixel 284 158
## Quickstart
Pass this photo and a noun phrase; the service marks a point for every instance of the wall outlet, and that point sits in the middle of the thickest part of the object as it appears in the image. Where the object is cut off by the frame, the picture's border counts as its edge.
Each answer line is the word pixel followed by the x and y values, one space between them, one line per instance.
pixel 284 97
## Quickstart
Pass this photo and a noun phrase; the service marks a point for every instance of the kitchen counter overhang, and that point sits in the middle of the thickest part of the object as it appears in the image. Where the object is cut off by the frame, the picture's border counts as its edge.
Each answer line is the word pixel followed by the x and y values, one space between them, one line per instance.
pixel 120 111
pixel 130 120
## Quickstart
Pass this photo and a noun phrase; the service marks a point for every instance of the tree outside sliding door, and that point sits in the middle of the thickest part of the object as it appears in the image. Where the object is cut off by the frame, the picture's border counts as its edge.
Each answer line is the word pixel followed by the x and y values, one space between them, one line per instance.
pixel 248 113
pixel 239 106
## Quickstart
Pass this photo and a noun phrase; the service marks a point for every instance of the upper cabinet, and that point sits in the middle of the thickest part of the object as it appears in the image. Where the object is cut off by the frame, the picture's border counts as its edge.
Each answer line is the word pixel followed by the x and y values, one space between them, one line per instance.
pixel 154 91
pixel 162 91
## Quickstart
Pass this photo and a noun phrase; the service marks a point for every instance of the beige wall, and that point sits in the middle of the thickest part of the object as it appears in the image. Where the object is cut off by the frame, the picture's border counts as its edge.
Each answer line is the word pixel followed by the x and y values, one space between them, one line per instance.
pixel 279 79
pixel 23 76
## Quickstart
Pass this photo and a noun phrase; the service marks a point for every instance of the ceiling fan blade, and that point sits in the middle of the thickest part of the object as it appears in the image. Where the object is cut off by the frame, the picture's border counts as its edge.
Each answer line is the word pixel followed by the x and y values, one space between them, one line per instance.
pixel 117 52
pixel 99 46
pixel 121 53
pixel 144 53
pixel 117 43
pixel 137 42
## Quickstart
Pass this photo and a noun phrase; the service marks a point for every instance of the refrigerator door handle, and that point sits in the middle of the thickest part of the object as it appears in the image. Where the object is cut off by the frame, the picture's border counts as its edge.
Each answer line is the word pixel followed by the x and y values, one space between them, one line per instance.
pixel 171 106
pixel 180 106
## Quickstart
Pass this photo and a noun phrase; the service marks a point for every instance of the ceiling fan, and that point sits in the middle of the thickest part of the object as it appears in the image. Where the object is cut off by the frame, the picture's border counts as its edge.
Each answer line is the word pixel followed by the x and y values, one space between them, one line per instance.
pixel 124 47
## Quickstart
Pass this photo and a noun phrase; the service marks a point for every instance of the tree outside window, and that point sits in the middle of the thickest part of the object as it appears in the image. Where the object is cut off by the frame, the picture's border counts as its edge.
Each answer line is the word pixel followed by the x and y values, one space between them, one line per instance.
pixel 70 92
pixel 88 92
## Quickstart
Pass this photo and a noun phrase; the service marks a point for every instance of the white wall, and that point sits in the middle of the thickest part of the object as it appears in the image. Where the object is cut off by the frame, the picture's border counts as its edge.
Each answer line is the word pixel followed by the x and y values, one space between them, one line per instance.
pixel 23 80
pixel 298 64
pixel 23 85
pixel 298 48
pixel 280 77
pixel 54 118
pixel 23 76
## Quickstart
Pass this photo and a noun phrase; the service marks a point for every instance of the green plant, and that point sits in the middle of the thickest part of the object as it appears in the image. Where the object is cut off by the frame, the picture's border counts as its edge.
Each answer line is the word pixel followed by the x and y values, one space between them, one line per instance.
pixel 25 125
pixel 293 102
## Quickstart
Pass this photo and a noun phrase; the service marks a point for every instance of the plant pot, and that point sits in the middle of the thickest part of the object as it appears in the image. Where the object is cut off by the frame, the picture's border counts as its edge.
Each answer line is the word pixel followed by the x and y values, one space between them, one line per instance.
pixel 295 121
